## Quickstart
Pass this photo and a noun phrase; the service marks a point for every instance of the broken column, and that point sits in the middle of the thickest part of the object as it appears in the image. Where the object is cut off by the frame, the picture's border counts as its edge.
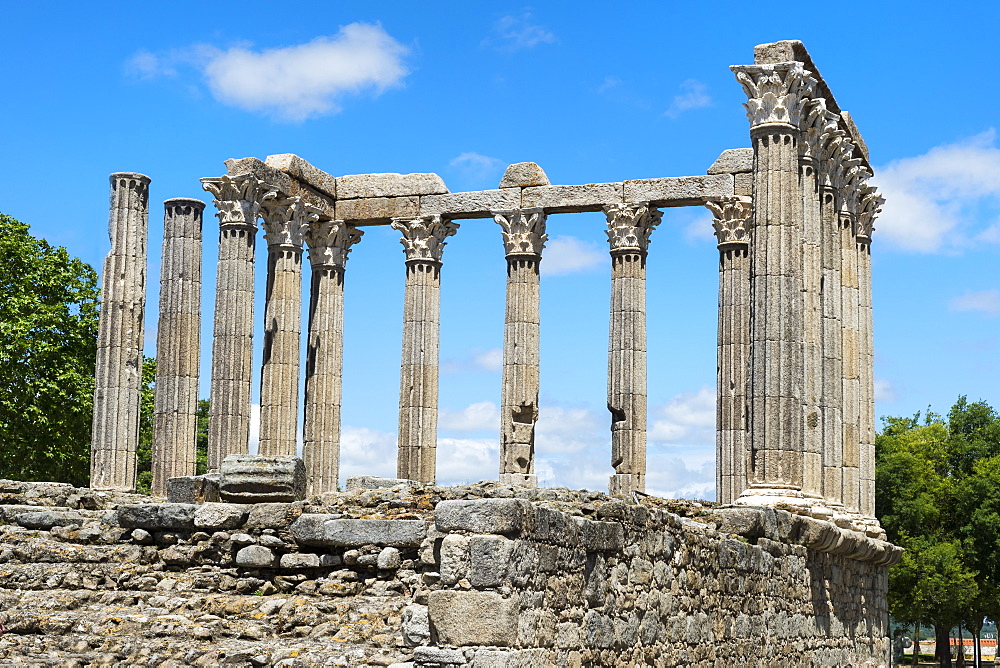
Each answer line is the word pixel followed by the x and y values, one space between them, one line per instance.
pixel 329 243
pixel 118 378
pixel 284 221
pixel 423 242
pixel 777 94
pixel 629 227
pixel 238 200
pixel 732 229
pixel 178 347
pixel 523 237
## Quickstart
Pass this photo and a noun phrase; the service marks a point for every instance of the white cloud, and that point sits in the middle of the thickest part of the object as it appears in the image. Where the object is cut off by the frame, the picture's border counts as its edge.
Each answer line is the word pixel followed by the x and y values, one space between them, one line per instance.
pixel 478 170
pixel 480 416
pixel 254 427
pixel 365 451
pixel 693 95
pixel 569 255
pixel 687 417
pixel 516 32
pixel 609 83
pixel 292 83
pixel 465 460
pixel 940 200
pixel 480 360
pixel 700 228
pixel 987 301
pixel 884 391
pixel 489 360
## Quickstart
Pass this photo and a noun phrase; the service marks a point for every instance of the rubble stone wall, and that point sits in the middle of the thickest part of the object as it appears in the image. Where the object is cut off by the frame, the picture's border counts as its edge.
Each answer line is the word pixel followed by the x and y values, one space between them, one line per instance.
pixel 482 575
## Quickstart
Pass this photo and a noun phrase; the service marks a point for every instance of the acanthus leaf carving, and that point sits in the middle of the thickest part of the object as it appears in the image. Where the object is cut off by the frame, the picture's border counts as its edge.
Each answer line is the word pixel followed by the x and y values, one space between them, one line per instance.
pixel 330 242
pixel 238 199
pixel 870 204
pixel 732 221
pixel 629 226
pixel 523 231
pixel 285 220
pixel 777 93
pixel 424 237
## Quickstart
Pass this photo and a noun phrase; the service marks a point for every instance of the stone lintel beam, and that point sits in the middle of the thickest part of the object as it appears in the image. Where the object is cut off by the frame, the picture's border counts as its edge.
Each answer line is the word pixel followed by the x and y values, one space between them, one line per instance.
pixel 475 204
pixel 377 210
pixel 367 186
pixel 679 190
pixel 283 183
pixel 294 166
pixel 733 161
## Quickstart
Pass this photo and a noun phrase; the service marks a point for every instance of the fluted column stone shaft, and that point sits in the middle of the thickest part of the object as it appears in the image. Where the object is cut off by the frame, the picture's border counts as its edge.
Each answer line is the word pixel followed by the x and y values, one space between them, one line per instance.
pixel 238 201
pixel 118 372
pixel 870 205
pixel 732 229
pixel 178 348
pixel 524 237
pixel 329 244
pixel 423 242
pixel 629 227
pixel 284 221
pixel 776 392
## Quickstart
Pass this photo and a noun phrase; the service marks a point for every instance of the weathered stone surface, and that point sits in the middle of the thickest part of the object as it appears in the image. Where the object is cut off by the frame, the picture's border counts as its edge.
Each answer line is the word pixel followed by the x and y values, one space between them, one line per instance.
pixel 474 204
pixel 193 489
pixel 388 558
pixel 284 182
pixel 679 190
pixel 356 482
pixel 473 618
pixel 299 560
pixel 316 529
pixel 260 479
pixel 46 519
pixel 732 161
pixel 524 174
pixel 416 625
pixel 377 209
pixel 495 516
pixel 356 186
pixel 272 515
pixel 220 516
pixel 293 165
pixel 256 556
pixel 157 516
pixel 571 199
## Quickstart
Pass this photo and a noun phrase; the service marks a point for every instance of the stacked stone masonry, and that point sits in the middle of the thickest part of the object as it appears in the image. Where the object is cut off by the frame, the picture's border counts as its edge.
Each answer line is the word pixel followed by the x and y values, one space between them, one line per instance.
pixel 423 576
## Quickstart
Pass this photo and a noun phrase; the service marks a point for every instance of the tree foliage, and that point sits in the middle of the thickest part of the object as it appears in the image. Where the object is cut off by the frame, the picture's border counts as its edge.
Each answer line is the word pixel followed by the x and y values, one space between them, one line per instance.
pixel 48 346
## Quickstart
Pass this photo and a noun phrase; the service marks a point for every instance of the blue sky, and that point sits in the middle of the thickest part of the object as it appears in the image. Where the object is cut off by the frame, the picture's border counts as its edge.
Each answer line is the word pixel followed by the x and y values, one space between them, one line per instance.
pixel 592 92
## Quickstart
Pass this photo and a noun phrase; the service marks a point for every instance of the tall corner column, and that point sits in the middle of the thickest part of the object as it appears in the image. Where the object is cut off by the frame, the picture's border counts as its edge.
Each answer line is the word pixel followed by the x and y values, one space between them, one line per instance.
pixel 178 344
pixel 284 220
pixel 777 95
pixel 524 237
pixel 118 372
pixel 629 228
pixel 238 201
pixel 329 243
pixel 423 242
pixel 732 229
pixel 869 206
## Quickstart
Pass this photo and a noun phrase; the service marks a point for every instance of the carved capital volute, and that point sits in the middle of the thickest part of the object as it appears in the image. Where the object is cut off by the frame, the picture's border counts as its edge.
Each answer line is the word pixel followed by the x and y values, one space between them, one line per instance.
pixel 238 199
pixel 777 93
pixel 869 206
pixel 629 226
pixel 330 242
pixel 816 124
pixel 732 221
pixel 424 237
pixel 523 231
pixel 285 220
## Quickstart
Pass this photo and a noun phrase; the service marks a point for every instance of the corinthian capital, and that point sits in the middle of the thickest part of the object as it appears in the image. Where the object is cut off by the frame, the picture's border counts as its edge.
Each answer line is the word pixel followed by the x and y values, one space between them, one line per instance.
pixel 329 243
pixel 816 124
pixel 285 219
pixel 523 231
pixel 629 226
pixel 777 93
pixel 238 199
pixel 424 237
pixel 732 221
pixel 869 206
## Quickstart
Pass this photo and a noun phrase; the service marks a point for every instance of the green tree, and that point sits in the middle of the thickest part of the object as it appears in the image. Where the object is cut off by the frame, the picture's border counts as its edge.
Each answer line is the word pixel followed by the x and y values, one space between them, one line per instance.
pixel 48 346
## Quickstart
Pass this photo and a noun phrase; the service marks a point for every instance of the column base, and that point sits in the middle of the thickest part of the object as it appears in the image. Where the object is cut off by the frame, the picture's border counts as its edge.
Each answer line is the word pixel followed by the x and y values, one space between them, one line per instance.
pixel 772 495
pixel 519 479
pixel 626 483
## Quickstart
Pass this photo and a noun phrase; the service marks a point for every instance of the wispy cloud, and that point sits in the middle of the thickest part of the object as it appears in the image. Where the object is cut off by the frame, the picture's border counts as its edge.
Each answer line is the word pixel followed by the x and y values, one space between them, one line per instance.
pixel 688 417
pixel 944 199
pixel 568 255
pixel 291 83
pixel 987 301
pixel 693 95
pixel 517 32
pixel 480 416
pixel 490 360
pixel 884 391
pixel 478 170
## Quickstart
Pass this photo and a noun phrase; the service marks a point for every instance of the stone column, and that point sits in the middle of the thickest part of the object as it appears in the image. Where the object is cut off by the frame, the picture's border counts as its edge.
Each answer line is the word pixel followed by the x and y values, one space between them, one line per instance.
pixel 777 94
pixel 118 378
pixel 178 344
pixel 523 239
pixel 869 205
pixel 423 242
pixel 238 200
pixel 284 219
pixel 629 227
pixel 329 243
pixel 732 228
